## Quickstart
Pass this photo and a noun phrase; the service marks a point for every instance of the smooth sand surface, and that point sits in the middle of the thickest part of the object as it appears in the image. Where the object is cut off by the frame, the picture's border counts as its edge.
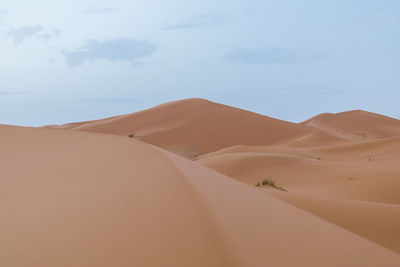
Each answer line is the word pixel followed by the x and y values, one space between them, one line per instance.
pixel 356 125
pixel 194 127
pixel 349 172
pixel 378 222
pixel 85 194
pixel 96 200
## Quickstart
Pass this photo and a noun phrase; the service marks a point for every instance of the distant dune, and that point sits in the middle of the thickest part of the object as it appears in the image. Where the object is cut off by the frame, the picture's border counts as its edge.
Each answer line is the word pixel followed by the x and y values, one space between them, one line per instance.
pixel 196 126
pixel 181 191
pixel 356 124
pixel 365 171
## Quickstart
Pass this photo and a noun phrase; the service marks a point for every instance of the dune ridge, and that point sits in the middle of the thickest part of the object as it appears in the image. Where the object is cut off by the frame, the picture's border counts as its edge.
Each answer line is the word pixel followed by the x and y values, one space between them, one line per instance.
pixel 195 126
pixel 89 207
pixel 377 222
pixel 181 191
pixel 356 125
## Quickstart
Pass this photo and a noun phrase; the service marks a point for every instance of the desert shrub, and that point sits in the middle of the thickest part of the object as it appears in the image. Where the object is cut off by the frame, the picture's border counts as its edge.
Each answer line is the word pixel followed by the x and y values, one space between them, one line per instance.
pixel 271 183
pixel 131 135
pixel 268 182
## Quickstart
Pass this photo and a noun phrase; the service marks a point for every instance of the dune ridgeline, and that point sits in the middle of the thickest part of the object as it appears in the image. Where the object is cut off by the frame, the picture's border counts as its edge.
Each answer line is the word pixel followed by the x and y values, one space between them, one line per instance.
pixel 197 183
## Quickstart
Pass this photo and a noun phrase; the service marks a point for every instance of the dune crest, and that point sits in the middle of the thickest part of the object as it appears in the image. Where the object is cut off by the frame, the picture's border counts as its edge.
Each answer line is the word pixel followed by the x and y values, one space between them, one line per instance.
pixel 194 127
pixel 175 185
pixel 86 199
pixel 356 125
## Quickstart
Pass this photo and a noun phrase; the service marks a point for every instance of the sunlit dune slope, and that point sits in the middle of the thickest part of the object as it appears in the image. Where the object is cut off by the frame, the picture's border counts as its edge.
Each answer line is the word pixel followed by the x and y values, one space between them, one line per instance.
pixel 84 199
pixel 194 127
pixel 367 170
pixel 356 125
pixel 378 222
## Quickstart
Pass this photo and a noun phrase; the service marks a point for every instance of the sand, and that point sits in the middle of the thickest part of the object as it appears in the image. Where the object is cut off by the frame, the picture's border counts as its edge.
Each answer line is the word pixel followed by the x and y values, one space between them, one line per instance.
pixel 195 127
pixel 182 191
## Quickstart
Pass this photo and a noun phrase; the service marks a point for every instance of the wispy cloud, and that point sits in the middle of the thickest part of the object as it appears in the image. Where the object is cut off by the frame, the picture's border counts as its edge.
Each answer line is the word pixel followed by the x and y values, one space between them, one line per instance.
pixel 100 10
pixel 263 56
pixel 196 22
pixel 24 33
pixel 123 50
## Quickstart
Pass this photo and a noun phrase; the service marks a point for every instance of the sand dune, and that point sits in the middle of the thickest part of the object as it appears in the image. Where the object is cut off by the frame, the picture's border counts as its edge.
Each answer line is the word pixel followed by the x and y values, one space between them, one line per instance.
pixel 85 194
pixel 85 199
pixel 356 124
pixel 377 222
pixel 371 150
pixel 318 138
pixel 348 172
pixel 194 127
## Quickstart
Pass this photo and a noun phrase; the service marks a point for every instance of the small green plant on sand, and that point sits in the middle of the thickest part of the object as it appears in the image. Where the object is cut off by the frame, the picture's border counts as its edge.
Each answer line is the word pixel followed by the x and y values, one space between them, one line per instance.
pixel 269 182
pixel 131 135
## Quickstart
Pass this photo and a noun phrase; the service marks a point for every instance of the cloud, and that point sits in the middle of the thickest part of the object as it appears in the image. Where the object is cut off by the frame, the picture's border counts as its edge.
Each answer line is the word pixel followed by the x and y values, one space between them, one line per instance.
pixel 263 56
pixel 196 22
pixel 24 33
pixel 46 36
pixel 100 10
pixel 123 49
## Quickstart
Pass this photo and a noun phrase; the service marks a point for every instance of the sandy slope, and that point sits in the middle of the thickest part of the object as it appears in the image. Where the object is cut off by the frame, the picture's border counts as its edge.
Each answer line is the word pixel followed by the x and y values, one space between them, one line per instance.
pixel 84 199
pixel 348 179
pixel 340 171
pixel 356 125
pixel 378 222
pixel 194 127
pixel 85 194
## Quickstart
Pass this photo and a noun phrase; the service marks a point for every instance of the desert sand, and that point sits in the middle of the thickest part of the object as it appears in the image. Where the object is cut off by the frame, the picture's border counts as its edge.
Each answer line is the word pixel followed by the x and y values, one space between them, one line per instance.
pixel 180 191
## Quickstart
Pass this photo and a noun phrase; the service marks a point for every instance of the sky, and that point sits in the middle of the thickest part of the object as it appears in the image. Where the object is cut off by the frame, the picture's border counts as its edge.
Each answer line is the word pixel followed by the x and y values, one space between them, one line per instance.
pixel 70 60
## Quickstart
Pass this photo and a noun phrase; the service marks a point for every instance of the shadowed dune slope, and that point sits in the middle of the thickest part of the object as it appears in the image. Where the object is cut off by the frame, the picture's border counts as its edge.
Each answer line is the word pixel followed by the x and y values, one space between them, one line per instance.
pixel 243 199
pixel 194 127
pixel 84 199
pixel 356 125
pixel 318 138
pixel 377 222
pixel 366 170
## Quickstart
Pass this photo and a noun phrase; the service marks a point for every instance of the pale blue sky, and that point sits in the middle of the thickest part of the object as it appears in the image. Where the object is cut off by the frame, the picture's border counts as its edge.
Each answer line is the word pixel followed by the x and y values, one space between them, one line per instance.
pixel 64 61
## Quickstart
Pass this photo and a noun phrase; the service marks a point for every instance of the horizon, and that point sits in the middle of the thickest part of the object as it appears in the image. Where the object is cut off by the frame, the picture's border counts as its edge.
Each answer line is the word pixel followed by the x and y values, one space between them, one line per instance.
pixel 200 133
pixel 76 61
pixel 193 98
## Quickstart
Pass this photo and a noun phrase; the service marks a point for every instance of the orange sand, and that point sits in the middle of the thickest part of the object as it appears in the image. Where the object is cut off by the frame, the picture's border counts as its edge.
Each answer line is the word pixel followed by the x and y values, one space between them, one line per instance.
pixel 85 194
